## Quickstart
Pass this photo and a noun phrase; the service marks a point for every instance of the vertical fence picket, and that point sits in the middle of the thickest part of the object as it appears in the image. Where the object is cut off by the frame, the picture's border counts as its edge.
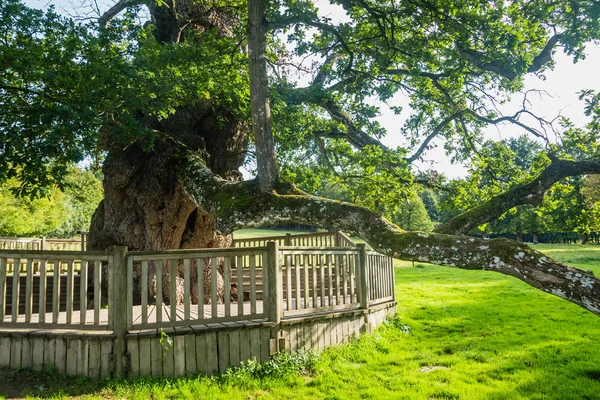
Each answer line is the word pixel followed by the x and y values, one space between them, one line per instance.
pixel 83 292
pixel 70 296
pixel 227 283
pixel 144 293
pixel 240 284
pixel 97 291
pixel 158 270
pixel 213 287
pixel 187 299
pixel 173 290
pixel 56 291
pixel 305 280
pixel 3 276
pixel 296 261
pixel 42 302
pixel 200 272
pixel 29 290
pixel 252 284
pixel 288 282
pixel 16 283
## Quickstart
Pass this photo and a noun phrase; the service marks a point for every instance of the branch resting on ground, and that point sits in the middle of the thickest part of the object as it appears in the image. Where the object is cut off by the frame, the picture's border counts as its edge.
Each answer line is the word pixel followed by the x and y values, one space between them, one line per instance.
pixel 238 205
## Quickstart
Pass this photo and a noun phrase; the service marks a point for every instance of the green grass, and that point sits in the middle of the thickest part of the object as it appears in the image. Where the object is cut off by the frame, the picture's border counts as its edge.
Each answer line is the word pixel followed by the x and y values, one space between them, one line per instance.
pixel 471 335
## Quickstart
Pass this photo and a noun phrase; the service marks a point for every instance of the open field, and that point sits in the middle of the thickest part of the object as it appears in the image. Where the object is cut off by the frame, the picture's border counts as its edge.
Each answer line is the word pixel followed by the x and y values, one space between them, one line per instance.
pixel 458 335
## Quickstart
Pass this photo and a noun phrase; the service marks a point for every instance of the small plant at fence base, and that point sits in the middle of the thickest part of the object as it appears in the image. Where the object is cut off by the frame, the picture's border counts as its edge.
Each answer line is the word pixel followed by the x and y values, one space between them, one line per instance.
pixel 280 365
pixel 165 341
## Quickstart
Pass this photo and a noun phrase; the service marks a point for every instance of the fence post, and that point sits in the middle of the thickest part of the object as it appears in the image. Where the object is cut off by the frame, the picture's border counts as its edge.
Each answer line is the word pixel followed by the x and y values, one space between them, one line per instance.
pixel 119 307
pixel 288 239
pixel 43 243
pixel 337 239
pixel 363 275
pixel 274 282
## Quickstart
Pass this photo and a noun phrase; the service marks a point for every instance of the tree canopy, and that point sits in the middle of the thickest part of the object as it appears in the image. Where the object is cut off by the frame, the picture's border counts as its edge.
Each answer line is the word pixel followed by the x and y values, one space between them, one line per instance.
pixel 167 105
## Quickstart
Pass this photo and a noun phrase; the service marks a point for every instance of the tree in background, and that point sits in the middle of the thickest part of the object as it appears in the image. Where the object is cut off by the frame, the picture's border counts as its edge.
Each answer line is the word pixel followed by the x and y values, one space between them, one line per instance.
pixel 170 104
pixel 58 213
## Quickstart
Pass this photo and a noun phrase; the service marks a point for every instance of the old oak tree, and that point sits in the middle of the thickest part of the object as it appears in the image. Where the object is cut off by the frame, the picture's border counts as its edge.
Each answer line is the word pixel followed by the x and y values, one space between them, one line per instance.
pixel 174 102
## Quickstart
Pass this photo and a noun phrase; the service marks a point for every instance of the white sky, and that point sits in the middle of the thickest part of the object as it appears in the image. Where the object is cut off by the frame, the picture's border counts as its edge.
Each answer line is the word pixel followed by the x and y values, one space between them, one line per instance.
pixel 562 85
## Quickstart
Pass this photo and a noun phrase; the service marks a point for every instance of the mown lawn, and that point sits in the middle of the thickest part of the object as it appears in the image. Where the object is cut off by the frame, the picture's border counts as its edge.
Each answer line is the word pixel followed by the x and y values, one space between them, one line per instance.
pixel 458 335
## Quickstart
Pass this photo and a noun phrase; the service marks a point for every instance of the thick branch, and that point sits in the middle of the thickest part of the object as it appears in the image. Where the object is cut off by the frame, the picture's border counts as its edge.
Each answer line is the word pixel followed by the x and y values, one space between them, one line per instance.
pixel 526 193
pixel 116 9
pixel 242 205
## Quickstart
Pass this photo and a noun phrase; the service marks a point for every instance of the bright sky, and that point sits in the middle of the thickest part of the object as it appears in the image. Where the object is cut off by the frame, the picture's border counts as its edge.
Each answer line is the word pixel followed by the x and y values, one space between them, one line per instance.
pixel 561 85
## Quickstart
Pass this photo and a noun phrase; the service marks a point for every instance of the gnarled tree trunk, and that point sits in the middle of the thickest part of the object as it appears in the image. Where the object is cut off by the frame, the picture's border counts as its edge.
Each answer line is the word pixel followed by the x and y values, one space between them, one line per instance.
pixel 145 206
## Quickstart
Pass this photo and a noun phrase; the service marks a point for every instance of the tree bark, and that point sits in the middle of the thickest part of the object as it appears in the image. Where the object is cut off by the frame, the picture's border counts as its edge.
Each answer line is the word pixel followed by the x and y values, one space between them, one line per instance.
pixel 526 193
pixel 146 208
pixel 268 173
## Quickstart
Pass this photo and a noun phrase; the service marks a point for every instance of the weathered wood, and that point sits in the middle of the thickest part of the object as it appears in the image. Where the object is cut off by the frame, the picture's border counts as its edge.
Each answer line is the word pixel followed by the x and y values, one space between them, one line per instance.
pixel 50 353
pixel 15 352
pixel 212 358
pixel 106 351
pixel 133 348
pixel 37 352
pixel 201 354
pixel 69 301
pixel 255 343
pixel 274 284
pixel 71 356
pixel 156 355
pixel 239 268
pixel 244 344
pixel 362 276
pixel 97 291
pixel 60 356
pixel 200 272
pixel 144 293
pixel 234 348
pixel 82 357
pixel 168 360
pixel 165 255
pixel 145 356
pixel 213 287
pixel 190 355
pixel 120 310
pixel 265 344
pixel 159 291
pixel 179 356
pixel 252 284
pixel 187 280
pixel 223 345
pixel 94 360
pixel 15 290
pixel 3 276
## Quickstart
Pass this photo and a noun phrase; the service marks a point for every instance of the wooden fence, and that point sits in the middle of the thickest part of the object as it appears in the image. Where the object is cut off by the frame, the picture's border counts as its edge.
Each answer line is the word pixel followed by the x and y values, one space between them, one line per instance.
pixel 19 244
pixel 57 295
pixel 321 239
pixel 118 294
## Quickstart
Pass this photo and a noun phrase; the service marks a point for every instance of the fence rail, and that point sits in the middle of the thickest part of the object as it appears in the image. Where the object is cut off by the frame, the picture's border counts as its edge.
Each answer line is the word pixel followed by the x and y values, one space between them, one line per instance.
pixel 322 239
pixel 25 244
pixel 124 291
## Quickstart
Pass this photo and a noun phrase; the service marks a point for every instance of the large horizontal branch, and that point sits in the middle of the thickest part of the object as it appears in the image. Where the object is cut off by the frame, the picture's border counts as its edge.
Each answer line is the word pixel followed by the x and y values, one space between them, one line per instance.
pixel 238 205
pixel 526 193
pixel 506 70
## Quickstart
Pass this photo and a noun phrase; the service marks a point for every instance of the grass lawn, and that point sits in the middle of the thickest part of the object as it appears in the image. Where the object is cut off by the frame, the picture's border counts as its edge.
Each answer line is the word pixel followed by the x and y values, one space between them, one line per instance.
pixel 458 335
